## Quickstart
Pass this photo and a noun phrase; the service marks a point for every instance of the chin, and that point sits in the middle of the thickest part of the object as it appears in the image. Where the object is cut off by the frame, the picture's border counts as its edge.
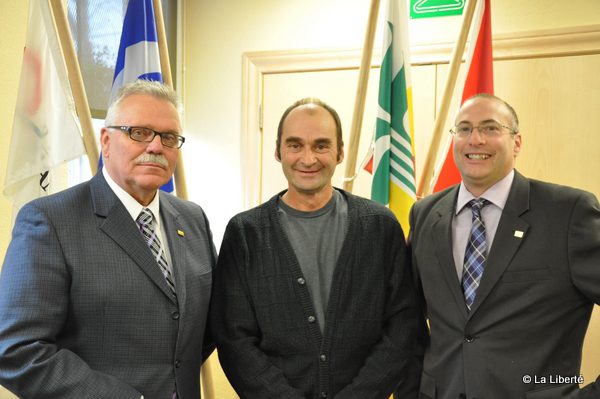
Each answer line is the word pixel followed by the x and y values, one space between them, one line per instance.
pixel 152 184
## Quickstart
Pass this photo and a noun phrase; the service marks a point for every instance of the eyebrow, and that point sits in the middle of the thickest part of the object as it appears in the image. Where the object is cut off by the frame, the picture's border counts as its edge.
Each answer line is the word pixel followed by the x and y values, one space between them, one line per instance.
pixel 294 139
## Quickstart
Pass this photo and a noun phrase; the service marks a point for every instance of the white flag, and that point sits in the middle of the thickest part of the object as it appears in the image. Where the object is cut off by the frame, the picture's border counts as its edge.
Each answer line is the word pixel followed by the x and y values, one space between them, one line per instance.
pixel 46 131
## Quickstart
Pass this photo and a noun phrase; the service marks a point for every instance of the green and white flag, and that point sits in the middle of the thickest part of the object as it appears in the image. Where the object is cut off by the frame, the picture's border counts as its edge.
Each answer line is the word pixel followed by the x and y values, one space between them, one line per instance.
pixel 393 159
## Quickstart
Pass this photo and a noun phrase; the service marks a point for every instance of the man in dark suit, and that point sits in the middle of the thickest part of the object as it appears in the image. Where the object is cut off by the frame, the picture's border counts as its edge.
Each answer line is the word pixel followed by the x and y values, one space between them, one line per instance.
pixel 508 268
pixel 105 287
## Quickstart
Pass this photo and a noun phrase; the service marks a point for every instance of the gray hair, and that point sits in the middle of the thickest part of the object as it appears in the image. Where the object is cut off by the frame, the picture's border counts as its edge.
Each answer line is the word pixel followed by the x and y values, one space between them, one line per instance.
pixel 142 86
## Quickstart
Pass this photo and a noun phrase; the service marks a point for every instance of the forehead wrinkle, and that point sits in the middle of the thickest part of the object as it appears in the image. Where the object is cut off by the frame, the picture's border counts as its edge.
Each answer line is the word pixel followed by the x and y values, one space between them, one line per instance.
pixel 482 122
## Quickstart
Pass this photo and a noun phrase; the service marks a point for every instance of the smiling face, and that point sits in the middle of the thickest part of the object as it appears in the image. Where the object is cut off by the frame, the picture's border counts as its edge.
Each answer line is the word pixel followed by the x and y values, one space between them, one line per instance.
pixel 140 168
pixel 482 160
pixel 309 154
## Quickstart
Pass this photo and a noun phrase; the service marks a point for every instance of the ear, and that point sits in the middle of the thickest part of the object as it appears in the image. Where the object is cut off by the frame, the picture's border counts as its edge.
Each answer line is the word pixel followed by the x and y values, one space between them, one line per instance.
pixel 340 156
pixel 105 142
pixel 517 144
pixel 277 157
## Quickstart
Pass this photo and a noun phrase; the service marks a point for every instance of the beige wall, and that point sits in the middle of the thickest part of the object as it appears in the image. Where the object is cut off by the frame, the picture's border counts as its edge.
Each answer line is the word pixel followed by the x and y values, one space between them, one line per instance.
pixel 216 33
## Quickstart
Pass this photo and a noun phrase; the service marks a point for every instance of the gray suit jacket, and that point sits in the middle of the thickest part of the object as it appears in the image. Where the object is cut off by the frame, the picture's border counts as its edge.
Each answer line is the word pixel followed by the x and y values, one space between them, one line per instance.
pixel 84 309
pixel 532 309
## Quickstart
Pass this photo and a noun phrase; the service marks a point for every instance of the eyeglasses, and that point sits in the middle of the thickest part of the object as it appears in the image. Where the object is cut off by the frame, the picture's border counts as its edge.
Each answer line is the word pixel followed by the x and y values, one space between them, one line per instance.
pixel 490 129
pixel 146 135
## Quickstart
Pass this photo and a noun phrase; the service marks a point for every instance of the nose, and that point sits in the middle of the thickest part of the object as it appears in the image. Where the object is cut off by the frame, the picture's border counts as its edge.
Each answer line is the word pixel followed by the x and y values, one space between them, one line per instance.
pixel 155 146
pixel 308 158
pixel 476 138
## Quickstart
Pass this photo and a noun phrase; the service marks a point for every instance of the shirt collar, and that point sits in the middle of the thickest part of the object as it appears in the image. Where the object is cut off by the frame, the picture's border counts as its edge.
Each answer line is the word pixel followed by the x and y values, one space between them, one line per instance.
pixel 497 194
pixel 133 207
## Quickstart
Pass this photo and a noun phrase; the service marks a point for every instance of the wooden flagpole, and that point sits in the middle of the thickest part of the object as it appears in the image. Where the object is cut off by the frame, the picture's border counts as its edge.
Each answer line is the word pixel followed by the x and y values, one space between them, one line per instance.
pixel 180 182
pixel 82 107
pixel 361 94
pixel 430 161
pixel 165 67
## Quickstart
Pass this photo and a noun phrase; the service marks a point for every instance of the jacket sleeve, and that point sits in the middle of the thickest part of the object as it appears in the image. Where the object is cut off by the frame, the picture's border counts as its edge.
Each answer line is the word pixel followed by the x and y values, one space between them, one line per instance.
pixel 235 328
pixel 396 360
pixel 34 305
pixel 584 259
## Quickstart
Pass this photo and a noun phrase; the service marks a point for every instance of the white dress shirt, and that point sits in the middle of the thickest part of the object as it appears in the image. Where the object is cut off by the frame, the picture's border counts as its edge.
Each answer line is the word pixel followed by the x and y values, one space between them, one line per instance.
pixel 134 208
pixel 463 217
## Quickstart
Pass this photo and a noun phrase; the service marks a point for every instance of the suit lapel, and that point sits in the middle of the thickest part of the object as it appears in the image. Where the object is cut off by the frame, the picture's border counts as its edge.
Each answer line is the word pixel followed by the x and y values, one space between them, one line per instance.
pixel 507 239
pixel 175 236
pixel 442 239
pixel 117 223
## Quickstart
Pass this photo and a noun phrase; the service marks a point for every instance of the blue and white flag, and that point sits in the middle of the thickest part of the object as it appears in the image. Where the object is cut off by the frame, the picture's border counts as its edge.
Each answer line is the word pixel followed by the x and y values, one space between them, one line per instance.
pixel 138 56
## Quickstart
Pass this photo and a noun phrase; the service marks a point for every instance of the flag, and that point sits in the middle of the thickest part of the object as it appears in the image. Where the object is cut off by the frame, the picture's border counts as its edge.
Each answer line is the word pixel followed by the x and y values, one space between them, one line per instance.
pixel 138 56
pixel 46 131
pixel 480 79
pixel 393 160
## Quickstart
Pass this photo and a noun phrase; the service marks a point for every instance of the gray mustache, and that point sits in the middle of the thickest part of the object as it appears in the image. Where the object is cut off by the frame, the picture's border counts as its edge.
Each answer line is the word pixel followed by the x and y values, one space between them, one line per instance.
pixel 152 158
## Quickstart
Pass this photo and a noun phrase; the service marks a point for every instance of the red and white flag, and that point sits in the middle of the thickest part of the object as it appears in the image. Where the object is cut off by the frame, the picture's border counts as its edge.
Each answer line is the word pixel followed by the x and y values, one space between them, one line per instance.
pixel 480 79
pixel 46 131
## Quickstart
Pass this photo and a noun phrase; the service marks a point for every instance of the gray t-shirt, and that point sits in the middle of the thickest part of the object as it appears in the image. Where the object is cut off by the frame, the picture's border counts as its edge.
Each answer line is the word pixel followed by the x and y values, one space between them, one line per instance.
pixel 317 238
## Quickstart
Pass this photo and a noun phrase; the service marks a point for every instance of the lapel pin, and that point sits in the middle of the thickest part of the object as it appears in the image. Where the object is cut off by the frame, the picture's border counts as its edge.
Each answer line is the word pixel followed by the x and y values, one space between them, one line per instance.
pixel 182 234
pixel 518 234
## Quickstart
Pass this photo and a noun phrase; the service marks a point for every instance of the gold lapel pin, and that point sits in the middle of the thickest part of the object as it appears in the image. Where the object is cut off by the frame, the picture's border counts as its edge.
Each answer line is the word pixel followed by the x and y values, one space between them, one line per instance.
pixel 180 233
pixel 518 234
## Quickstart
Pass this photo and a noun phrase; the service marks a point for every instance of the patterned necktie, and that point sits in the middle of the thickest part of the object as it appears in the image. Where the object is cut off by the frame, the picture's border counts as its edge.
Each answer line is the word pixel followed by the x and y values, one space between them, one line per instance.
pixel 147 227
pixel 475 253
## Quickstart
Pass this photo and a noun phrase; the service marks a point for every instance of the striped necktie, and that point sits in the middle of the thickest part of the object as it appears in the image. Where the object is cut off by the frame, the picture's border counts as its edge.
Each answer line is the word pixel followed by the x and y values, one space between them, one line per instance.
pixel 475 253
pixel 147 226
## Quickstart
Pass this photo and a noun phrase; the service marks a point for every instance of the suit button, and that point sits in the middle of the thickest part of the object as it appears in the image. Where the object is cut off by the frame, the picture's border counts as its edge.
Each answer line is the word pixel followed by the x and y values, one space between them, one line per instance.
pixel 301 281
pixel 175 315
pixel 177 363
pixel 311 319
pixel 469 339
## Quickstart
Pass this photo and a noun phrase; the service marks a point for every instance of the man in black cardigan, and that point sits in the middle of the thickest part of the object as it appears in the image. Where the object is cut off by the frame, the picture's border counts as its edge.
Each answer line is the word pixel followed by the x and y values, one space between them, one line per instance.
pixel 313 295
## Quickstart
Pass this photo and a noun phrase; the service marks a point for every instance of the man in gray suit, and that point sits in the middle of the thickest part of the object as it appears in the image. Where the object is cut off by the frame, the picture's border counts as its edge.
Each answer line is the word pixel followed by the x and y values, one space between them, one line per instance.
pixel 105 287
pixel 508 268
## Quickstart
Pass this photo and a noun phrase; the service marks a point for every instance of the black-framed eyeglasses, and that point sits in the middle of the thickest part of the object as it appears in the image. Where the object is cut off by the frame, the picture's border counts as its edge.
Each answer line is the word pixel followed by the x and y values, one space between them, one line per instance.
pixel 488 129
pixel 146 135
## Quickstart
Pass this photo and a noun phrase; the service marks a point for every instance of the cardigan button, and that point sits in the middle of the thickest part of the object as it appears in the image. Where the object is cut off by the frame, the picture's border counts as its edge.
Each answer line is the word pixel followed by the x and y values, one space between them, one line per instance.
pixel 323 394
pixel 301 281
pixel 323 358
pixel 311 319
